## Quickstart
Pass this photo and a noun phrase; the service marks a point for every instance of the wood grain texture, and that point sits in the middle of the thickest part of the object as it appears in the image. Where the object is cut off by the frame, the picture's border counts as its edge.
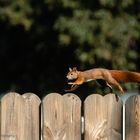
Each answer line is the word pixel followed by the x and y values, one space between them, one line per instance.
pixel 32 116
pixel 103 117
pixel 17 121
pixel 61 117
pixel 132 117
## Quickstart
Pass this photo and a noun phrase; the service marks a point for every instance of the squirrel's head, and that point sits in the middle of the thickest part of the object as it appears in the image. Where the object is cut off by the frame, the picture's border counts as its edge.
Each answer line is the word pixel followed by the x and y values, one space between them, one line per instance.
pixel 72 74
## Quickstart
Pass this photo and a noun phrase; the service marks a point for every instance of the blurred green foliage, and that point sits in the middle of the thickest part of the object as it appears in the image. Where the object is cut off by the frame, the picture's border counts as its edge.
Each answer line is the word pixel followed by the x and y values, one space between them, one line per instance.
pixel 41 39
pixel 16 12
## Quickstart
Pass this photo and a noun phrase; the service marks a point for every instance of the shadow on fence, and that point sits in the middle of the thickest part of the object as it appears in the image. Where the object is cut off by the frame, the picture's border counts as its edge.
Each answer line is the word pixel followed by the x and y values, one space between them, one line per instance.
pixel 60 117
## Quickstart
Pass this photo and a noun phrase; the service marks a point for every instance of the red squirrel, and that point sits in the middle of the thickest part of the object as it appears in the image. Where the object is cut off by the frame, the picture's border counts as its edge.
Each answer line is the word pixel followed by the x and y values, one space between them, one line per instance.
pixel 105 77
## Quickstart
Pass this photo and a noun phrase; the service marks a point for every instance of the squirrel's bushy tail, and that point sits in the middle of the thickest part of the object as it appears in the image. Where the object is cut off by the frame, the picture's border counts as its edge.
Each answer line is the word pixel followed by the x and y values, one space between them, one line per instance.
pixel 125 76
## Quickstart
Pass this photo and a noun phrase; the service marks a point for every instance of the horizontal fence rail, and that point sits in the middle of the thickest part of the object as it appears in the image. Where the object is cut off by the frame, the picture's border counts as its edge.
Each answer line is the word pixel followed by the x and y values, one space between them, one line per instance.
pixel 57 117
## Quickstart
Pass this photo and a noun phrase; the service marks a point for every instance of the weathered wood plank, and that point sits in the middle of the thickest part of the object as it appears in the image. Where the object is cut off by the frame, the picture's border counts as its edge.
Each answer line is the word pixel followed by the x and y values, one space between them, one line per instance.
pixel 103 117
pixel 12 120
pixel 114 117
pixel 132 117
pixel 72 116
pixel 32 116
pixel 61 117
pixel 17 117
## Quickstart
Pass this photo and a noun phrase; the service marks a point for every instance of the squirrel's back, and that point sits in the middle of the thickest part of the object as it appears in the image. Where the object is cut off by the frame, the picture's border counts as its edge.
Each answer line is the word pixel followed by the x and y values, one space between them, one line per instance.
pixel 125 76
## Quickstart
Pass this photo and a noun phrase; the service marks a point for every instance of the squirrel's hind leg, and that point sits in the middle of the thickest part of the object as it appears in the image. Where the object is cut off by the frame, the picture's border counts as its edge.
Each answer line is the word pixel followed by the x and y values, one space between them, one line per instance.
pixel 112 81
pixel 110 87
pixel 111 90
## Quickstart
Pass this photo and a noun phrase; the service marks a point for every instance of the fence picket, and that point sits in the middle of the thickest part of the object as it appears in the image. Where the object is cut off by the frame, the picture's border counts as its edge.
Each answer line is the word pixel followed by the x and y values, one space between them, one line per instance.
pixel 132 117
pixel 17 121
pixel 61 117
pixel 103 117
pixel 12 120
pixel 32 117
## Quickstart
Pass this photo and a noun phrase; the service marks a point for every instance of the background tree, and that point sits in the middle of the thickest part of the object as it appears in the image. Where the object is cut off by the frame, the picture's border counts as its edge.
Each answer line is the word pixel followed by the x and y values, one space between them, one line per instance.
pixel 39 40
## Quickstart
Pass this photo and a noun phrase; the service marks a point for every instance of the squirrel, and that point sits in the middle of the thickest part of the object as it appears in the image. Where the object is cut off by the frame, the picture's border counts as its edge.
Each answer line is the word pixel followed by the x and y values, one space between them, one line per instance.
pixel 105 77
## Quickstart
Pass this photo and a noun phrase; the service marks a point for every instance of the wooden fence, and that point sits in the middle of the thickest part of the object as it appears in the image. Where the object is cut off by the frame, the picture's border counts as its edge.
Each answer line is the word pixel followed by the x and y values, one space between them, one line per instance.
pixel 57 117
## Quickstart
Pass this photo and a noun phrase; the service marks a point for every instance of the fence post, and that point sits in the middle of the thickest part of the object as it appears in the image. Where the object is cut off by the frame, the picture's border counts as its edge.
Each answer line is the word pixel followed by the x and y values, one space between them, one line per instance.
pixel 103 117
pixel 132 117
pixel 19 117
pixel 61 117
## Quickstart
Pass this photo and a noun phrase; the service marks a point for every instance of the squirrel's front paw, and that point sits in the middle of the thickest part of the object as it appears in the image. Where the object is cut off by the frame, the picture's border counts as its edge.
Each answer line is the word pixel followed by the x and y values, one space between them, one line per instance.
pixel 70 83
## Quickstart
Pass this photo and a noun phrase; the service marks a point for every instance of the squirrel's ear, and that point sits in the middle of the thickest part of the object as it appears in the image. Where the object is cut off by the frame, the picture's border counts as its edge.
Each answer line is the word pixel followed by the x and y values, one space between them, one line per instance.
pixel 70 69
pixel 74 69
